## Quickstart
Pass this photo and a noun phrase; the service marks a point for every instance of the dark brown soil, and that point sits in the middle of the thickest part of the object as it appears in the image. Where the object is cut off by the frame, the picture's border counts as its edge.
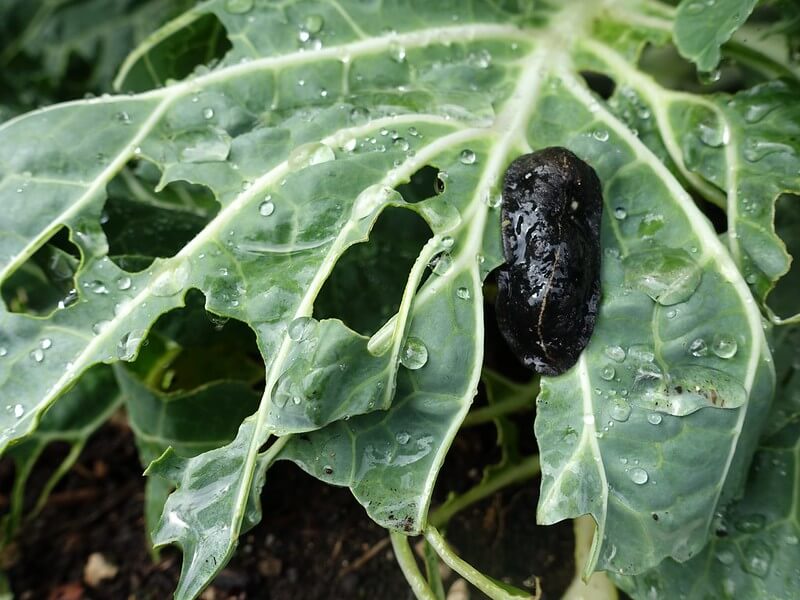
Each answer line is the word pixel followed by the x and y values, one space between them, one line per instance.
pixel 315 541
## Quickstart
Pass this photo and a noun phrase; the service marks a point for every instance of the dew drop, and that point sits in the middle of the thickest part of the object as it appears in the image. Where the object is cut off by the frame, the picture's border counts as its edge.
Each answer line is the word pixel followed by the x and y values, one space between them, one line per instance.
pixel 709 77
pixel 619 410
pixel 755 112
pixel 19 410
pixel 327 469
pixel 402 144
pixel 373 198
pixel 638 476
pixel 397 52
pixel 724 345
pixel 667 275
pixel 307 155
pixel 757 558
pixel 467 157
pixel 601 135
pixel 608 373
pixel 37 355
pixel 100 326
pixel 441 263
pixel 173 280
pixel 128 343
pixel 3 351
pixel 123 117
pixel 620 213
pixel 713 134
pixel 654 418
pixel 208 113
pixel 299 328
pixel 615 353
pixel 463 293
pixel 359 114
pixel 414 354
pixel 698 348
pixel 124 283
pixel 402 437
pixel 205 145
pixel 98 287
pixel 267 207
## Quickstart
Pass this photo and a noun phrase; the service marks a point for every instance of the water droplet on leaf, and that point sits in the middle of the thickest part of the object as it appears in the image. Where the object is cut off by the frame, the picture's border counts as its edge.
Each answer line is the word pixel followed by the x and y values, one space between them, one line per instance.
pixel 299 328
pixel 698 348
pixel 373 198
pixel 467 157
pixel 414 354
pixel 619 410
pixel 266 208
pixel 204 145
pixel 307 155
pixel 724 345
pixel 667 275
pixel 173 280
pixel 638 476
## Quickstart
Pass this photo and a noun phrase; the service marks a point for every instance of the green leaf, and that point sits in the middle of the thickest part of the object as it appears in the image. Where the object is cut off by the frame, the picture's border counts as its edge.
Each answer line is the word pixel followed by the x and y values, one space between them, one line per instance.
pixel 303 134
pixel 72 421
pixel 702 27
pixel 756 546
pixel 740 151
pixel 611 443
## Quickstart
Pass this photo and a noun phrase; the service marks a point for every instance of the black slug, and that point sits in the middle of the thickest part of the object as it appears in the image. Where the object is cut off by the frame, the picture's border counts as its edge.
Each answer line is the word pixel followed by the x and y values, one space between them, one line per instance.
pixel 549 286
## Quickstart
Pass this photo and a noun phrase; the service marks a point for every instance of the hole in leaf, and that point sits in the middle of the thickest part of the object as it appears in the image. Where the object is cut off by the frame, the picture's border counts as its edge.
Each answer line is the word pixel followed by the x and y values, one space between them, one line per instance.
pixel 714 213
pixel 202 42
pixel 423 184
pixel 599 83
pixel 783 299
pixel 366 285
pixel 189 347
pixel 142 224
pixel 46 281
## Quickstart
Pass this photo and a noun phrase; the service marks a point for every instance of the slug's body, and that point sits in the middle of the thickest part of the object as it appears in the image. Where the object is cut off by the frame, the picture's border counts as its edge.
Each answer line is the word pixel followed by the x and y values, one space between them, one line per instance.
pixel 549 288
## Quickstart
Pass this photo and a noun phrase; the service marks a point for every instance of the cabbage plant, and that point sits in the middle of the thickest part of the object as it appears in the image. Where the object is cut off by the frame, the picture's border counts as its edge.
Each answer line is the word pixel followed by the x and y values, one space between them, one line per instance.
pixel 239 158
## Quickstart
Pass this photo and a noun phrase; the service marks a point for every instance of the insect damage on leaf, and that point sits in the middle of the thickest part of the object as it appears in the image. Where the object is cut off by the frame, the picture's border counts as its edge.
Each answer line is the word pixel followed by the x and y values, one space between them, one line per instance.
pixel 549 287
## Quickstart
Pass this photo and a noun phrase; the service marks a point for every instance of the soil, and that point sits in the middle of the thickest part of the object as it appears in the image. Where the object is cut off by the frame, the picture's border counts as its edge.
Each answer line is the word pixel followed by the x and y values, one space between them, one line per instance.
pixel 314 542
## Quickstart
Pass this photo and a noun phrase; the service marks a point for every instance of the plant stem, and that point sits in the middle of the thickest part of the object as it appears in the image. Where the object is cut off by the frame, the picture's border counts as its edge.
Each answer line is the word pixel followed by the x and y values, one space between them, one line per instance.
pixel 432 571
pixel 754 59
pixel 523 471
pixel 494 589
pixel 488 413
pixel 408 564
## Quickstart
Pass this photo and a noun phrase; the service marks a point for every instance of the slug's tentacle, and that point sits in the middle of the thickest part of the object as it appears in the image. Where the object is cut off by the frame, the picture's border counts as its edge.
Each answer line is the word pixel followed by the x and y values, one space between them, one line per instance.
pixel 549 287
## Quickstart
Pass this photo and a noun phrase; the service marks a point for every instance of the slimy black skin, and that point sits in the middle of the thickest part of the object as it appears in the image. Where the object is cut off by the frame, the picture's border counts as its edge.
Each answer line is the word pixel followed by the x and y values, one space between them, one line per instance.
pixel 549 287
